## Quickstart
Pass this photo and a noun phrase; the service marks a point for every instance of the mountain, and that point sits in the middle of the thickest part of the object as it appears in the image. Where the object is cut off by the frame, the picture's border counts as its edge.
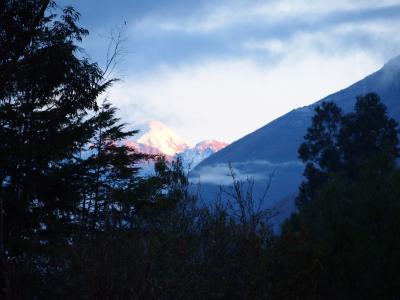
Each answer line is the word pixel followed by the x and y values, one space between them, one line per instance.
pixel 191 157
pixel 272 149
pixel 155 137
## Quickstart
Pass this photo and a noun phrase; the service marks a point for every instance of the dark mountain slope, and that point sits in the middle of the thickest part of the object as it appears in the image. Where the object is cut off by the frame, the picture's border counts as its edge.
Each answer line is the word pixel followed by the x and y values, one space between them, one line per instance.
pixel 273 148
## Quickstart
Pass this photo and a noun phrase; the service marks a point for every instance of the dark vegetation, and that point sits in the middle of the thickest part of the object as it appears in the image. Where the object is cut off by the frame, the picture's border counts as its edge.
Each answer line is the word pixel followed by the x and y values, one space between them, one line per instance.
pixel 78 222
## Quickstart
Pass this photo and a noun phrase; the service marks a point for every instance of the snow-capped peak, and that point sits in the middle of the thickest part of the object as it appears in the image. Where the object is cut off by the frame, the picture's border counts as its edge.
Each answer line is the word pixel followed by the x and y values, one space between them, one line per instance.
pixel 193 156
pixel 156 138
pixel 156 135
pixel 213 145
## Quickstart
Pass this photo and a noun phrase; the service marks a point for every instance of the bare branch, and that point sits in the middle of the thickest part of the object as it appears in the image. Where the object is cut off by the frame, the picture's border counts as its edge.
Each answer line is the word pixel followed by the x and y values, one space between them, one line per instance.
pixel 115 52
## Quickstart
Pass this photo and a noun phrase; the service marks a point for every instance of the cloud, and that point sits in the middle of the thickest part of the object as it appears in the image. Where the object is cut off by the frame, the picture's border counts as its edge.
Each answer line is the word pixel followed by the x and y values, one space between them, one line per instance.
pixel 376 36
pixel 214 16
pixel 257 170
pixel 221 69
pixel 274 46
pixel 262 30
pixel 220 174
pixel 226 99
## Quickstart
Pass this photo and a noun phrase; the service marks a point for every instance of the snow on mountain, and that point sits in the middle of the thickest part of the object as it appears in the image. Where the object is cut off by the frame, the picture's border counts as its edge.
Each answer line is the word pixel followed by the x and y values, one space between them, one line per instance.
pixel 156 138
pixel 193 156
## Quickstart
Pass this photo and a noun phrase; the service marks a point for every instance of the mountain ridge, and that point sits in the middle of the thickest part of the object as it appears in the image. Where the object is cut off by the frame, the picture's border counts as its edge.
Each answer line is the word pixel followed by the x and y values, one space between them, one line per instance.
pixel 393 65
pixel 272 148
pixel 157 138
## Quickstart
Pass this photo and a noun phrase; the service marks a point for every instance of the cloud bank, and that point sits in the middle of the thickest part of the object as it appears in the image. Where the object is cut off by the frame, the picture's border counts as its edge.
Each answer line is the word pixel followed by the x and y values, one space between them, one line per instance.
pixel 221 69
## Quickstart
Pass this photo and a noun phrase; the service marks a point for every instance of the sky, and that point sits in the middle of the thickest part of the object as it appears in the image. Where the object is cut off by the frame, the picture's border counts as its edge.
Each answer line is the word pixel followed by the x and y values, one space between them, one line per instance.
pixel 221 69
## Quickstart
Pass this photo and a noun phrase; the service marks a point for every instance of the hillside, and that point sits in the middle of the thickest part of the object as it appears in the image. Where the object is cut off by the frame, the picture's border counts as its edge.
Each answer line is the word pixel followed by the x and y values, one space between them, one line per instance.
pixel 272 149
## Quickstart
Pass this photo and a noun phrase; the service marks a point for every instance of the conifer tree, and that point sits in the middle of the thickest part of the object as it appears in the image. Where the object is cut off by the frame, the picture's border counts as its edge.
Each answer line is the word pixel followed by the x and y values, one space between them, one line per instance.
pixel 344 143
pixel 320 149
pixel 110 171
pixel 47 93
pixel 344 237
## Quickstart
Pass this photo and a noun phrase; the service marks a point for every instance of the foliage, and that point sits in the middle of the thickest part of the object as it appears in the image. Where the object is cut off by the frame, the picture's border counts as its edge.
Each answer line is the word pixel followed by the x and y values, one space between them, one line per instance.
pixel 337 143
pixel 343 242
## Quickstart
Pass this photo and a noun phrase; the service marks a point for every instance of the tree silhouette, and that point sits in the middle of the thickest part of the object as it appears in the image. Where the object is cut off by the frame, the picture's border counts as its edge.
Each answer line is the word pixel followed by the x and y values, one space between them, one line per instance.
pixel 343 242
pixel 337 143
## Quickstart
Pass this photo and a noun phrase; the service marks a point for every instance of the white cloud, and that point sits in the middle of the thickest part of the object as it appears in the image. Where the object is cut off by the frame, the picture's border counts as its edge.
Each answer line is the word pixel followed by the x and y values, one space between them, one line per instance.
pixel 289 8
pixel 228 13
pixel 273 46
pixel 228 99
pixel 380 28
pixel 220 174
pixel 334 39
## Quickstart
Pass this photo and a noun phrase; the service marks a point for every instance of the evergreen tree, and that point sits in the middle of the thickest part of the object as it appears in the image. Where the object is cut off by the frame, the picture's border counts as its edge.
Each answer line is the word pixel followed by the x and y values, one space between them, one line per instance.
pixel 47 93
pixel 368 133
pixel 320 149
pixel 343 242
pixel 337 143
pixel 110 170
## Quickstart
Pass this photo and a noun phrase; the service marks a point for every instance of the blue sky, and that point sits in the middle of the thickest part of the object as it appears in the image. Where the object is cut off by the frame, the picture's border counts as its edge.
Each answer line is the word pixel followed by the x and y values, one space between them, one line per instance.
pixel 221 69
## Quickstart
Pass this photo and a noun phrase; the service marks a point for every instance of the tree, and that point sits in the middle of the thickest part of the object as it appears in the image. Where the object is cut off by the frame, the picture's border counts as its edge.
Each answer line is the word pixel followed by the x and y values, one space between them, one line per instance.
pixel 343 242
pixel 110 170
pixel 337 143
pixel 368 133
pixel 47 93
pixel 320 150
